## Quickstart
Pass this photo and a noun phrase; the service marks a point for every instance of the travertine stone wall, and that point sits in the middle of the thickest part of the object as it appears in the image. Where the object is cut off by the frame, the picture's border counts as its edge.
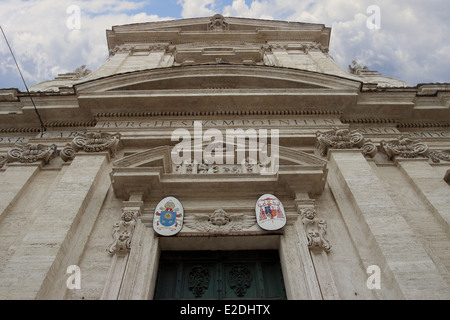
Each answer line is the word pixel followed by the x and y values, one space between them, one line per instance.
pixel 391 243
pixel 56 238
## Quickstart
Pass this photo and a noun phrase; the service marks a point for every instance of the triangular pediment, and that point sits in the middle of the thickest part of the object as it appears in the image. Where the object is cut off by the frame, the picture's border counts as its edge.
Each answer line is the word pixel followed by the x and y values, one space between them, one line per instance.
pixel 161 157
pixel 217 26
pixel 155 169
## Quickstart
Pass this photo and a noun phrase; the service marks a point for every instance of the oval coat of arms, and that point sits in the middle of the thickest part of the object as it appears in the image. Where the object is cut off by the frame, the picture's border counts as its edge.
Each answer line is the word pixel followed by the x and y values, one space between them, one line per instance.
pixel 168 218
pixel 270 213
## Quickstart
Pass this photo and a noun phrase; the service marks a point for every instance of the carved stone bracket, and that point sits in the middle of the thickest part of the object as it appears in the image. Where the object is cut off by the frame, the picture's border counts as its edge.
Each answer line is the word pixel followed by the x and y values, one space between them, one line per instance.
pixel 315 230
pixel 97 142
pixel 404 148
pixel 28 153
pixel 123 232
pixel 344 139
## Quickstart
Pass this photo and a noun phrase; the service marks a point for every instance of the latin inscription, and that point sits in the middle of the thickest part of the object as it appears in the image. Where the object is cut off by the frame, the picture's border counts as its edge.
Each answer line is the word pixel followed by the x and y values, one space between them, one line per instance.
pixel 218 123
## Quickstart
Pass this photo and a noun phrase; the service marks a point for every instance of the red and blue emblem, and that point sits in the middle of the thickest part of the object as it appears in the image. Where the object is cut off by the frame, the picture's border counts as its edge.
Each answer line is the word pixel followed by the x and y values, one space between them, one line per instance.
pixel 270 213
pixel 168 218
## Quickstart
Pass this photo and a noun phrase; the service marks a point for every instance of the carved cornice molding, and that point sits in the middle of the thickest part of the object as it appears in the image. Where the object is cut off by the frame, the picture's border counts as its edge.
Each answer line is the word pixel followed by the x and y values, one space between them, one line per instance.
pixel 404 148
pixel 344 139
pixel 216 113
pixel 315 230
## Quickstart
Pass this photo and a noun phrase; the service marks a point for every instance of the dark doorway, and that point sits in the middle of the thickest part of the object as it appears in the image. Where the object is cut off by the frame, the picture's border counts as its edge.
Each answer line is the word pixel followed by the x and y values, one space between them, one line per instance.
pixel 220 275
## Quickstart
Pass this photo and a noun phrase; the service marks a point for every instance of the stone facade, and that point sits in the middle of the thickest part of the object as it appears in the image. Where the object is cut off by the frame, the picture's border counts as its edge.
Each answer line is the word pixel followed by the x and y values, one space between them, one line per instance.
pixel 362 165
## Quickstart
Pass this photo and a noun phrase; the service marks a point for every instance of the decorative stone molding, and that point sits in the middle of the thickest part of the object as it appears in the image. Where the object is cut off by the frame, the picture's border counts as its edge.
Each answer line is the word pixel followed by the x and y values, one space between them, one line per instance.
pixel 3 161
pixel 28 153
pixel 344 139
pixel 404 148
pixel 123 232
pixel 220 222
pixel 67 153
pixel 97 142
pixel 437 156
pixel 218 23
pixel 305 47
pixel 315 230
pixel 369 149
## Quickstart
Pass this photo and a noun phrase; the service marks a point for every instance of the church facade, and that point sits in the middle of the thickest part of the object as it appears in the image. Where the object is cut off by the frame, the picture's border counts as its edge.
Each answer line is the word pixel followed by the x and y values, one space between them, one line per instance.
pixel 225 158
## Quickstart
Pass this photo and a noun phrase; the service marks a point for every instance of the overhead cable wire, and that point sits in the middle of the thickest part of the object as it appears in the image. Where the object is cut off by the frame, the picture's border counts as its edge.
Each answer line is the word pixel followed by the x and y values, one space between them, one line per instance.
pixel 26 87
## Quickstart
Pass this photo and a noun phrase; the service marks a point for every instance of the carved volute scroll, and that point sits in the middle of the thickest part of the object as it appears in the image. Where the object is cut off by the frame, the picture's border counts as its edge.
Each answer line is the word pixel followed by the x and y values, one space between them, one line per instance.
pixel 344 139
pixel 28 153
pixel 97 142
pixel 404 148
pixel 315 230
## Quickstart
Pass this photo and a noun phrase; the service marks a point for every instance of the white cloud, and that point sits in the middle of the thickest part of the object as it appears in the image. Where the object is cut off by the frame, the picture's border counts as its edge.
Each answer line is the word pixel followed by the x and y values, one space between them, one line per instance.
pixel 43 44
pixel 412 45
pixel 197 8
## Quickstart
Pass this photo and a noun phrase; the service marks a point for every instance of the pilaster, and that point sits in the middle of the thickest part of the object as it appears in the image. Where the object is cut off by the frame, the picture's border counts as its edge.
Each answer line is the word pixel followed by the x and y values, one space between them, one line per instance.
pixel 379 231
pixel 430 185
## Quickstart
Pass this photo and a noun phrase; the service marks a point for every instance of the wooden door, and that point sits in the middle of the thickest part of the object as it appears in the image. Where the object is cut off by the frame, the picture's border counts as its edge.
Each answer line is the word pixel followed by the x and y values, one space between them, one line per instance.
pixel 220 275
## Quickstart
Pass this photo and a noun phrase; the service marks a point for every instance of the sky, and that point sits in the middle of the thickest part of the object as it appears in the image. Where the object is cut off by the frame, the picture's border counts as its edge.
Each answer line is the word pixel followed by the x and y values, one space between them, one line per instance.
pixel 402 39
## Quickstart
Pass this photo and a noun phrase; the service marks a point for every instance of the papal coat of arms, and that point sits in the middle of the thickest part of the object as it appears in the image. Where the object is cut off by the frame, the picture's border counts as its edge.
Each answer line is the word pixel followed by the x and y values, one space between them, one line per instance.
pixel 270 213
pixel 168 218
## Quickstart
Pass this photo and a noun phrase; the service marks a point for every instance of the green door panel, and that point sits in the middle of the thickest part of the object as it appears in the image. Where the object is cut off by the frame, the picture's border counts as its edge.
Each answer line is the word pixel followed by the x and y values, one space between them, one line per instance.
pixel 220 275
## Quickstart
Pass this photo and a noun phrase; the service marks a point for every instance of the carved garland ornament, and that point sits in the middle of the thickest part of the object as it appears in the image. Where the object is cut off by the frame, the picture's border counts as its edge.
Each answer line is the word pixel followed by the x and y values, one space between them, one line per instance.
pixel 405 148
pixel 28 153
pixel 437 156
pixel 97 142
pixel 93 142
pixel 315 230
pixel 344 139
